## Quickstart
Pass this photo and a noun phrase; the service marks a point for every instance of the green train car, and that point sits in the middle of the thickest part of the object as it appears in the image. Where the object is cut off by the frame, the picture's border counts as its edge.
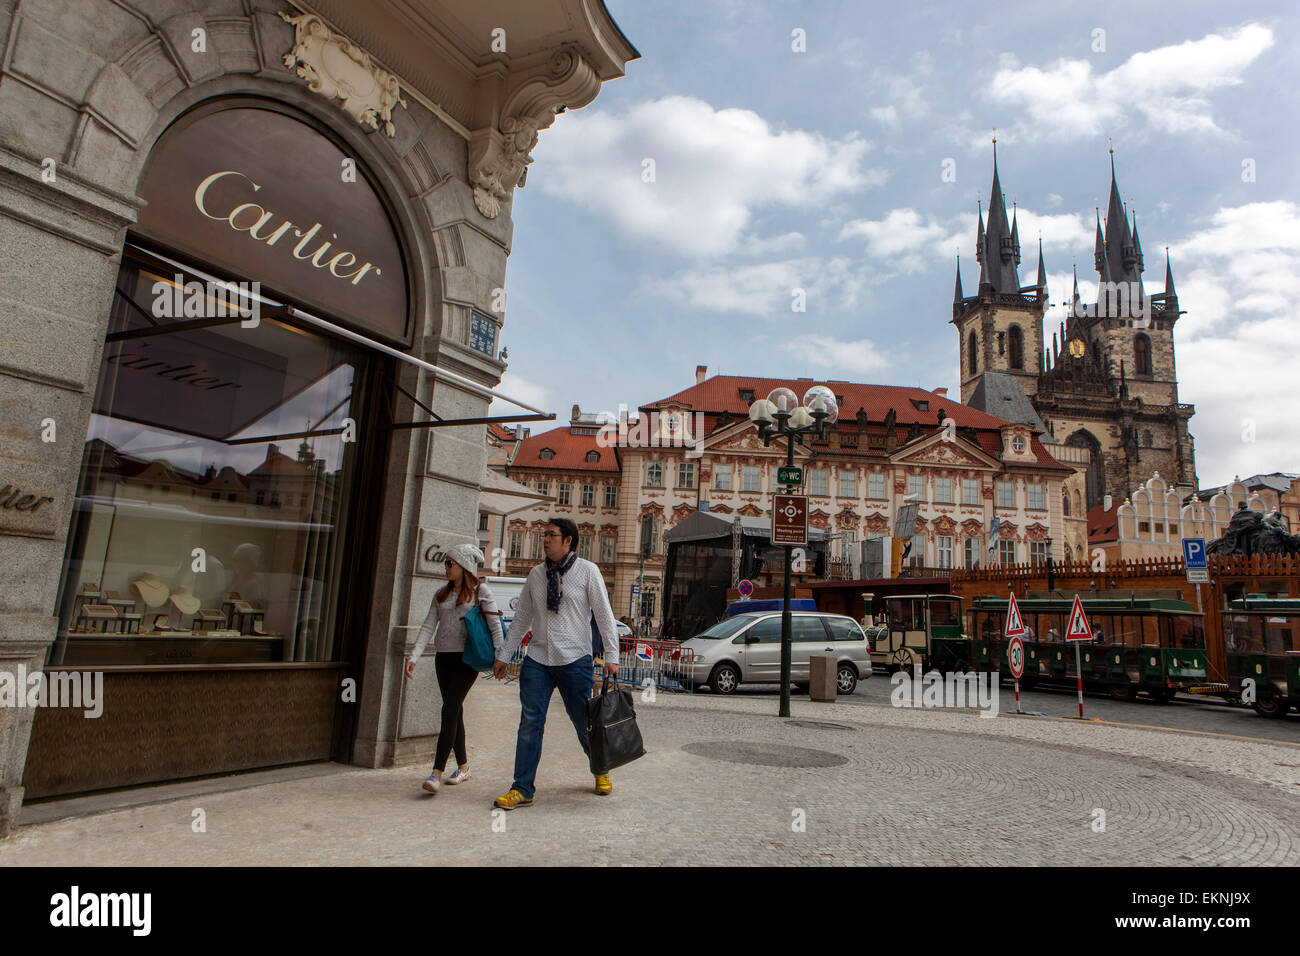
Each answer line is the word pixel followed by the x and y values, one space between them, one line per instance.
pixel 920 629
pixel 1260 643
pixel 1151 646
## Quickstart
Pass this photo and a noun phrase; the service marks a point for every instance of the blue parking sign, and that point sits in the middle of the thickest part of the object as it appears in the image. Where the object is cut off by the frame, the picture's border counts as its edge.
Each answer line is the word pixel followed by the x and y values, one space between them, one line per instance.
pixel 1196 561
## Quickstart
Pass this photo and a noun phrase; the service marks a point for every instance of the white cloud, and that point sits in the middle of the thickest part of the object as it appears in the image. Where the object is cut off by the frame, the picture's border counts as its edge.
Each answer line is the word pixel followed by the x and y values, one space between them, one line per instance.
pixel 1168 86
pixel 1237 348
pixel 766 289
pixel 539 396
pixel 713 169
pixel 912 242
pixel 859 357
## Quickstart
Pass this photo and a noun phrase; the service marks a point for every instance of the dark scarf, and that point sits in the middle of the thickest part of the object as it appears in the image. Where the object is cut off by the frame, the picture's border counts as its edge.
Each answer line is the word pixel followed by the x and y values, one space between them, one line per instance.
pixel 553 571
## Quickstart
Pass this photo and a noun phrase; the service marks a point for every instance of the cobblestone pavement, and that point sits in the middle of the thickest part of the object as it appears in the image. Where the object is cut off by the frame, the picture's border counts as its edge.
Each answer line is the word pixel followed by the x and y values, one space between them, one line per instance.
pixel 727 782
pixel 1184 713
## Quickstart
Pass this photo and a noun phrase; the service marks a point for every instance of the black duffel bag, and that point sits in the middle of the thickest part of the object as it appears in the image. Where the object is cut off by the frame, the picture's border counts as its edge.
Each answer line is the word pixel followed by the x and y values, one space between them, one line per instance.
pixel 612 732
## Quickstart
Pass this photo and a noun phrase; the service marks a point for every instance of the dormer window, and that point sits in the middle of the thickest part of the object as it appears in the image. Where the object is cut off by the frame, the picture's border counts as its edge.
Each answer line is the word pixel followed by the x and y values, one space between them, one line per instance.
pixel 547 454
pixel 746 394
pixel 593 457
pixel 921 405
pixel 1018 444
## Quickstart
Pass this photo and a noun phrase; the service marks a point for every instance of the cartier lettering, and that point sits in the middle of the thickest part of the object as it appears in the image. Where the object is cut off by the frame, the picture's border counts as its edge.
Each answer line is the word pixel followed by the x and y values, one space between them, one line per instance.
pixel 185 374
pixel 16 499
pixel 261 224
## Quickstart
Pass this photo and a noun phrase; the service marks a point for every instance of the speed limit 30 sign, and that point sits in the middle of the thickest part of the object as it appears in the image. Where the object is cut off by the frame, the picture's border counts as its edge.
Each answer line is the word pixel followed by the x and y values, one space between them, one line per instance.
pixel 1016 657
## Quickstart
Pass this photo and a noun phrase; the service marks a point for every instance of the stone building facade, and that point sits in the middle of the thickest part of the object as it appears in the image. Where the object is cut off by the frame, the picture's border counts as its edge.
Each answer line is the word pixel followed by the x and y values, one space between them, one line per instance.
pixel 698 451
pixel 1108 383
pixel 412 116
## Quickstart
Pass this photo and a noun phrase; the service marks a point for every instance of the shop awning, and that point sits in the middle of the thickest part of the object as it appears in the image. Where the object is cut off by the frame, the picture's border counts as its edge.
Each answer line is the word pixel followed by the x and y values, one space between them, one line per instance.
pixel 501 496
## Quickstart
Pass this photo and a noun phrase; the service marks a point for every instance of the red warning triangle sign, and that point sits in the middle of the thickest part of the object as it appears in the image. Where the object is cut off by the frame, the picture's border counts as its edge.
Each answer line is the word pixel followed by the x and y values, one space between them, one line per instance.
pixel 1079 629
pixel 1015 625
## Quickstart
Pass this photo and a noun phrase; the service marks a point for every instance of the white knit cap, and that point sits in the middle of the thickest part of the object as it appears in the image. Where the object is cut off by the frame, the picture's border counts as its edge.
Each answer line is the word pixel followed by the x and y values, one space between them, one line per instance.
pixel 467 556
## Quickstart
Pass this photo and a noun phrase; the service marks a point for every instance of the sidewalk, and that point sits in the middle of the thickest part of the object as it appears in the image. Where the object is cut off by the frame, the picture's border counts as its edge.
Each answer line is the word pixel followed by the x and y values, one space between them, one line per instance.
pixel 726 782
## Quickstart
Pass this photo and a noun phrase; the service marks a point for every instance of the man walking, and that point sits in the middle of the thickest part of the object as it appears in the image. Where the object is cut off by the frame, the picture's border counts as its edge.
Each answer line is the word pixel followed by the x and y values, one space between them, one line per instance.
pixel 559 601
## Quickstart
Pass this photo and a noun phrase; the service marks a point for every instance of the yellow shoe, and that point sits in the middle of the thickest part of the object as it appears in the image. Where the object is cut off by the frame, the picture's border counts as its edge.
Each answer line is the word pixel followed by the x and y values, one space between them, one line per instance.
pixel 603 787
pixel 512 799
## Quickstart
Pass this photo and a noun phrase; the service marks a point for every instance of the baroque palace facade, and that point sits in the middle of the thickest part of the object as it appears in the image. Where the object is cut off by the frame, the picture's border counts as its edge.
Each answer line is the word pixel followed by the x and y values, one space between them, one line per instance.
pixel 697 451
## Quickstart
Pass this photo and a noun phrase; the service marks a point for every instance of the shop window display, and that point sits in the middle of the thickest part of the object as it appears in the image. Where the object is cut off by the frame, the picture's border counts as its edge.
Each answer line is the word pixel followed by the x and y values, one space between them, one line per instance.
pixel 254 432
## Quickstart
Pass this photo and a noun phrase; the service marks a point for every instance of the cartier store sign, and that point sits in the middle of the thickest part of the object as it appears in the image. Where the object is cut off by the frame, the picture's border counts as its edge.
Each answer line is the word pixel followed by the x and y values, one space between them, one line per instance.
pixel 261 194
pixel 28 505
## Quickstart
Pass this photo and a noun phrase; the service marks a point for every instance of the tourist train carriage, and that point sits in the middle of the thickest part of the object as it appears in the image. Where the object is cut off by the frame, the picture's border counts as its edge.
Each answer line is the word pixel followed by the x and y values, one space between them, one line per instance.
pixel 1156 646
pixel 1261 641
pixel 924 629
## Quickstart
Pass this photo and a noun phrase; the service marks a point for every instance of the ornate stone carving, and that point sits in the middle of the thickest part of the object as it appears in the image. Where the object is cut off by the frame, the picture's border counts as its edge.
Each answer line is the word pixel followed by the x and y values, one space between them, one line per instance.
pixel 973 527
pixel 945 525
pixel 877 522
pixel 336 68
pixel 749 511
pixel 1007 530
pixel 682 512
pixel 719 509
pixel 653 508
pixel 1037 532
pixel 499 156
pixel 818 519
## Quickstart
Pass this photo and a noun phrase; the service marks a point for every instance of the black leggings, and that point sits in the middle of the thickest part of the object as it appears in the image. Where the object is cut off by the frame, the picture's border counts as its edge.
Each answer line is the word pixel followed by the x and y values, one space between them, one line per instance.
pixel 454 680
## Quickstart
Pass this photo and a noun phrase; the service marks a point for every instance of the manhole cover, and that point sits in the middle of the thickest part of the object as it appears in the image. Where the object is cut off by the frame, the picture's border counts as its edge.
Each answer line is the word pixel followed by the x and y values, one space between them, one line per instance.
pixel 817 725
pixel 764 755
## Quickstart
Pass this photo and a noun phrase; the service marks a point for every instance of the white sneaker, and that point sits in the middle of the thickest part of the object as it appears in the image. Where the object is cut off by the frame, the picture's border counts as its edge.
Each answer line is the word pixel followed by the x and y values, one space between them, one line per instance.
pixel 458 776
pixel 432 783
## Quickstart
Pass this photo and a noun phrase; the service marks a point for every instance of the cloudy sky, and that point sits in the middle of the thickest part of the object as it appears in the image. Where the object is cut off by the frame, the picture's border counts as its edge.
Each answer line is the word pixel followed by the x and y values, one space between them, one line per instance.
pixel 669 223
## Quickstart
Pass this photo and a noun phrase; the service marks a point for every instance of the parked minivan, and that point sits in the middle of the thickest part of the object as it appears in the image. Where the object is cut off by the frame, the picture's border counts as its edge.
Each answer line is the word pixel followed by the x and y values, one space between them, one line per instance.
pixel 746 649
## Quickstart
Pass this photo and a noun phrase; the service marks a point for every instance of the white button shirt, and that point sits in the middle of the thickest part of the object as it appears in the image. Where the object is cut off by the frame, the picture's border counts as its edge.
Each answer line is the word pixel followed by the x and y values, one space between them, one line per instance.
pixel 563 636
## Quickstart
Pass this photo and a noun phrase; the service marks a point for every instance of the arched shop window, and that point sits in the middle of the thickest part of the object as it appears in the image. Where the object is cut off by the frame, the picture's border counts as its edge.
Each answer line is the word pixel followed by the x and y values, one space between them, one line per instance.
pixel 252 412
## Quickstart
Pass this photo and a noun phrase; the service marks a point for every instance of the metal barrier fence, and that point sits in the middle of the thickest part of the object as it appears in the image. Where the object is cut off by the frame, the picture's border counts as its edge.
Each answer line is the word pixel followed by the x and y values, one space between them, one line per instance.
pixel 666 664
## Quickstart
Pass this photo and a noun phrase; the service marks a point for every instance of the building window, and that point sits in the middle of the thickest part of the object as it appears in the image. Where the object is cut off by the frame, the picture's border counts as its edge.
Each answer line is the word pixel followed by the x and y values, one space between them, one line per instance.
pixel 876 485
pixel 1017 341
pixel 611 496
pixel 746 394
pixel 916 487
pixel 584 546
pixel 1141 355
pixel 1006 552
pixel 1036 499
pixel 722 478
pixel 972 353
pixel 647 605
pixel 483 521
pixel 516 544
pixel 1037 552
pixel 973 548
pixel 543 487
pixel 537 545
pixel 848 484
pixel 817 479
pixel 260 498
pixel 565 489
pixel 593 457
pixel 547 454
pixel 588 496
pixel 649 535
pixel 606 550
pixel 686 474
pixel 654 475
pixel 970 491
pixel 917 554
pixel 943 551
pixel 750 478
pixel 943 492
pixel 1065 503
pixel 1006 494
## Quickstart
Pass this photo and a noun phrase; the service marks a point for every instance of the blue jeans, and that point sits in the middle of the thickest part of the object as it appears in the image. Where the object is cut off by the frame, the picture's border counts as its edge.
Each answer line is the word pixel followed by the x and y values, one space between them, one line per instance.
pixel 536 684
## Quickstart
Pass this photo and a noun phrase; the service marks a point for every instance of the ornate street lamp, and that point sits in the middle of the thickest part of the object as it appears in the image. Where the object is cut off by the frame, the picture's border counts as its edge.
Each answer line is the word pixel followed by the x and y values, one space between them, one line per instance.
pixel 781 415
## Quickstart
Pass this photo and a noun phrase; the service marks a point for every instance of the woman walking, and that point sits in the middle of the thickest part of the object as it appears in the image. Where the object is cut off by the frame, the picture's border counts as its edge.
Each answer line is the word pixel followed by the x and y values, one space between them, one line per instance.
pixel 446 620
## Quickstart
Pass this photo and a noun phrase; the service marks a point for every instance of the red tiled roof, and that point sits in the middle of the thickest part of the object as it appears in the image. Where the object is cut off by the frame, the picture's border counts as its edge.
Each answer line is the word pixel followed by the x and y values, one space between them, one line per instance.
pixel 1102 524
pixel 570 452
pixel 722 393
